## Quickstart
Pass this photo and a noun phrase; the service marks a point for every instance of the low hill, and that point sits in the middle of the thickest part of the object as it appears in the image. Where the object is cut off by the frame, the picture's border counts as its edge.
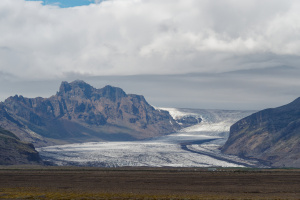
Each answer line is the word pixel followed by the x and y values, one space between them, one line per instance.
pixel 14 151
pixel 271 135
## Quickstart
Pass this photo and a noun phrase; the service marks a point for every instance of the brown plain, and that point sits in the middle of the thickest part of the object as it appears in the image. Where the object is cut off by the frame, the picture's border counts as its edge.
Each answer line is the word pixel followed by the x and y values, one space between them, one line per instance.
pixel 148 183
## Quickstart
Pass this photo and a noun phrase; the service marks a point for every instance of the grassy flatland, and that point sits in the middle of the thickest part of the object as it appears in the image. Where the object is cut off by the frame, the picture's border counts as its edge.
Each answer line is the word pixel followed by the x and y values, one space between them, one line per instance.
pixel 147 183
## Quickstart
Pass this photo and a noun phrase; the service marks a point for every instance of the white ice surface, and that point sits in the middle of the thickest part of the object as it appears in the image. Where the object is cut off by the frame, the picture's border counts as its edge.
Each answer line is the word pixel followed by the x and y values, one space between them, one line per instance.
pixel 161 151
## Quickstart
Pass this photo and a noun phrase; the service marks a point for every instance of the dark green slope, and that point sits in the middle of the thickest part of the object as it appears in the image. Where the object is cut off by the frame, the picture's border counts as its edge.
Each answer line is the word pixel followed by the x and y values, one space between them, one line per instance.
pixel 15 152
pixel 271 135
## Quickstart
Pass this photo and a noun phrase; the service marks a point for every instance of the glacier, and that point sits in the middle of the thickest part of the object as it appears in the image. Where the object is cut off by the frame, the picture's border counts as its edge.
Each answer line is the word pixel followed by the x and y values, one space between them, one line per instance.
pixel 194 146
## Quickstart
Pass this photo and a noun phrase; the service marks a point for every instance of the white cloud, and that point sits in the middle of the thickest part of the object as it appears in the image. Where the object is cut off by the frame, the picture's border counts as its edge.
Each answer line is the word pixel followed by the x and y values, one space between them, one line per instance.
pixel 121 37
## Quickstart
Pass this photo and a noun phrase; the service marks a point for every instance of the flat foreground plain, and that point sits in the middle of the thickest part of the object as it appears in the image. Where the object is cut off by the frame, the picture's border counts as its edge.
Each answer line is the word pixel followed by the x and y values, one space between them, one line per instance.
pixel 147 183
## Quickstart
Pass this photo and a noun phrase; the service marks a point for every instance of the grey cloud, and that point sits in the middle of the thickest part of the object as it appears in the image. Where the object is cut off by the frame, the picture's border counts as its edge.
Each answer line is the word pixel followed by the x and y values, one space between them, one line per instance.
pixel 254 90
pixel 125 37
pixel 182 53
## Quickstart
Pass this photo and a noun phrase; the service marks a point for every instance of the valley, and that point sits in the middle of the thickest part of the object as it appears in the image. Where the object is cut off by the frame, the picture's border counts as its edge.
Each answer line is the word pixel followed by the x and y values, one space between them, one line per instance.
pixel 194 146
pixel 84 126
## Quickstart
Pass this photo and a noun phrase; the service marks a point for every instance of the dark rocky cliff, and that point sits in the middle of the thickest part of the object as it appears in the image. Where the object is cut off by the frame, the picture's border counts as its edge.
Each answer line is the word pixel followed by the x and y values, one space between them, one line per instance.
pixel 80 112
pixel 14 151
pixel 271 135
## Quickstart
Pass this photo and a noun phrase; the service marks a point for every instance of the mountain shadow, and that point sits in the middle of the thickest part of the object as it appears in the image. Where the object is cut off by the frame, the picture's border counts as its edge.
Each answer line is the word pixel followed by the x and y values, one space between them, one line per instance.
pixel 15 152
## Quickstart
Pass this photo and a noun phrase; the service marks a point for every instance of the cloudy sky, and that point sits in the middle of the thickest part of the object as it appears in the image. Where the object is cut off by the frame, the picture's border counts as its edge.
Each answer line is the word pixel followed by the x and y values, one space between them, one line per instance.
pixel 228 54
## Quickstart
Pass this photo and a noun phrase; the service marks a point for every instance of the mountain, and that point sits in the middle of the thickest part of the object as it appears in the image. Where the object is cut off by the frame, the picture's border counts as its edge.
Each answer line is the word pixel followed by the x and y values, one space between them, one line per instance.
pixel 79 112
pixel 14 151
pixel 271 135
pixel 23 132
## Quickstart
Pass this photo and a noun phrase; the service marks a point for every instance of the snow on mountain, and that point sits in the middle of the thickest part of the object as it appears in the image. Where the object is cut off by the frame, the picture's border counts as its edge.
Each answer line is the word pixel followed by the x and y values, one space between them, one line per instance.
pixel 195 146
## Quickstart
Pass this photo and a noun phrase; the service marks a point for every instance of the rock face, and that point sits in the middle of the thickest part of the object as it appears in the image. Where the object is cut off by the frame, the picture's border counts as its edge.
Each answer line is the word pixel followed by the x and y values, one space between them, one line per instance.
pixel 14 151
pixel 187 121
pixel 8 122
pixel 80 113
pixel 271 135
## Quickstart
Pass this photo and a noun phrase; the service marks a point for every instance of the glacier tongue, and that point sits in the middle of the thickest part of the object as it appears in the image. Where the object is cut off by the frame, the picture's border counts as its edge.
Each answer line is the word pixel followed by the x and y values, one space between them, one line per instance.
pixel 195 146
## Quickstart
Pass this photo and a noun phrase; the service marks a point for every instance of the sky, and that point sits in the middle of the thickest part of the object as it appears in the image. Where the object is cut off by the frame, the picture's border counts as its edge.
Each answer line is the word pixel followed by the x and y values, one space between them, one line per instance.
pixel 227 54
pixel 67 3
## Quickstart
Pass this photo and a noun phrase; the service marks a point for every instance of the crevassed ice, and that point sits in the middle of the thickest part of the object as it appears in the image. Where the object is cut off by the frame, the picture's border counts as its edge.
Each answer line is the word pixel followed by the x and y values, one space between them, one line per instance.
pixel 161 151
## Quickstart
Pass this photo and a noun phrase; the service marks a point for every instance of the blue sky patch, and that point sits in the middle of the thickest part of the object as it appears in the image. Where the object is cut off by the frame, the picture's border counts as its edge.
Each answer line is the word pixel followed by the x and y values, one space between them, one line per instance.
pixel 66 3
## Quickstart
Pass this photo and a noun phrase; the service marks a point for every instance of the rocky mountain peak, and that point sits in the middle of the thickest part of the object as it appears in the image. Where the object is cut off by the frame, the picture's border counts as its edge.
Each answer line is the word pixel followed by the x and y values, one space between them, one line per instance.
pixel 76 88
pixel 81 89
pixel 80 112
pixel 112 93
pixel 64 87
pixel 80 84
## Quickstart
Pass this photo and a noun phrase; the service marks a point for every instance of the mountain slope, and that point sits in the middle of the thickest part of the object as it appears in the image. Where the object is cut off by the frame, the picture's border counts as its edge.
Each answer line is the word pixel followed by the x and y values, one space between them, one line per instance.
pixel 14 151
pixel 8 122
pixel 271 135
pixel 80 112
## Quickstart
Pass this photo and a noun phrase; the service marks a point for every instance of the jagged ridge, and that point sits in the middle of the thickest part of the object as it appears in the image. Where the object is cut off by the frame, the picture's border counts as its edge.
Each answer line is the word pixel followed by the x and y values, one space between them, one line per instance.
pixel 80 112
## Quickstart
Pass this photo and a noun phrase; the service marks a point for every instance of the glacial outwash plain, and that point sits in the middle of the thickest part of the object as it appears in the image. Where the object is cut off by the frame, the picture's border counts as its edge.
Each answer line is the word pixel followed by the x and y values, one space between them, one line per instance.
pixel 88 143
pixel 147 183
